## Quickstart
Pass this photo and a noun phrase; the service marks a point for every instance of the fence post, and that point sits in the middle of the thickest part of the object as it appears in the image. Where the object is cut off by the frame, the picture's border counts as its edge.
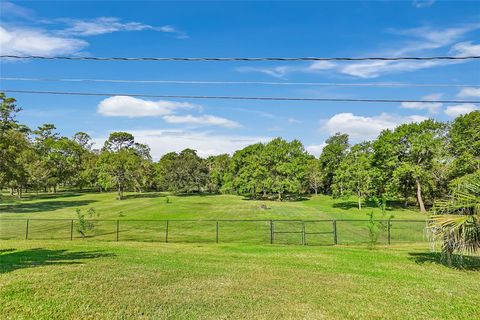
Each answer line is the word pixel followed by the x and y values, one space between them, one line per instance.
pixel 26 230
pixel 335 239
pixel 388 232
pixel 303 233
pixel 271 231
pixel 216 240
pixel 118 228
pixel 71 230
pixel 166 233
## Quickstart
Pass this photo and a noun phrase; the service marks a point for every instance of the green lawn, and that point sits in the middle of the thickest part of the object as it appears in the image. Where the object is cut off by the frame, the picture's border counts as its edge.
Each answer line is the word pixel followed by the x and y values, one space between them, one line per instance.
pixel 132 280
pixel 154 205
pixel 241 277
pixel 158 206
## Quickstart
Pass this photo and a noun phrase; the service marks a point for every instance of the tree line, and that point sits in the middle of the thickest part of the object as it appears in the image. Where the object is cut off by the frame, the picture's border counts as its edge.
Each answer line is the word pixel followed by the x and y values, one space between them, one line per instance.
pixel 417 162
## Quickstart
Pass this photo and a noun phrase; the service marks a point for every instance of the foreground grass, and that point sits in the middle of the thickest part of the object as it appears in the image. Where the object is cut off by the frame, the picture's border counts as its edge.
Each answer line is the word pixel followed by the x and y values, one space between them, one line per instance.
pixel 105 280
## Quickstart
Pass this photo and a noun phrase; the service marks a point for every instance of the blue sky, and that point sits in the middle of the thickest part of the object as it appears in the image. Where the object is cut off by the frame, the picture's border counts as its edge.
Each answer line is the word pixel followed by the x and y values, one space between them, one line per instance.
pixel 249 29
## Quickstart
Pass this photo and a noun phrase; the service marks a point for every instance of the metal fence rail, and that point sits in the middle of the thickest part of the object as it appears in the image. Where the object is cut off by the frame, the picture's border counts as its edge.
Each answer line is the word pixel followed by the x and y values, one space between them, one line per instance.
pixel 302 232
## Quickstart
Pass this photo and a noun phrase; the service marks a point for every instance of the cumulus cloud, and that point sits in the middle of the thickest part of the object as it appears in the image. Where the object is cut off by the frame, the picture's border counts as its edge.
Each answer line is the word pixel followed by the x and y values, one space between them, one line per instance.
pixel 432 107
pixel 204 120
pixel 459 109
pixel 315 149
pixel 37 42
pixel 206 144
pixel 364 127
pixel 131 107
pixel 469 92
pixel 123 106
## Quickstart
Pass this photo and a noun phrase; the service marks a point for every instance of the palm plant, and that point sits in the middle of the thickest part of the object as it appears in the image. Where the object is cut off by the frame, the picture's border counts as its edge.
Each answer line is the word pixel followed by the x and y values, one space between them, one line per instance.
pixel 456 220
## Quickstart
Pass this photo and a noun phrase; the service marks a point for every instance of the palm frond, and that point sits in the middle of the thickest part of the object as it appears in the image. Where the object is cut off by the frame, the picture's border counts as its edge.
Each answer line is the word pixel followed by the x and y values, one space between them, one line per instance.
pixel 456 219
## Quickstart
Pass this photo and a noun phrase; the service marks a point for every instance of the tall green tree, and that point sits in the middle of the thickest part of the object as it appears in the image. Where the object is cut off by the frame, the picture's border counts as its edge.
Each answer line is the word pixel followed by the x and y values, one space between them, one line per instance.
pixel 464 144
pixel 409 153
pixel 314 174
pixel 286 164
pixel 354 176
pixel 331 157
pixel 184 172
pixel 217 169
pixel 117 161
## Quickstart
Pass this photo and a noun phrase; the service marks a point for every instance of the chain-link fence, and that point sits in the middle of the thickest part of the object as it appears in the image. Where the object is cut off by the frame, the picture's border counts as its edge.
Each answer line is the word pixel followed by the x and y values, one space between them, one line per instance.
pixel 302 232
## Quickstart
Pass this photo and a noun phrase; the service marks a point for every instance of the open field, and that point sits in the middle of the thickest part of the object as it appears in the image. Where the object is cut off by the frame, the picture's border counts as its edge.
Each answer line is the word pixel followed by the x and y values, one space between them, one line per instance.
pixel 133 212
pixel 91 279
pixel 107 280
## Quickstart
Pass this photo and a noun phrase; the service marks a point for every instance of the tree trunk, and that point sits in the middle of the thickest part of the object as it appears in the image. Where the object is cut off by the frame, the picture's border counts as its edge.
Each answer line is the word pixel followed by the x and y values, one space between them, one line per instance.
pixel 316 191
pixel 419 197
pixel 359 202
pixel 119 191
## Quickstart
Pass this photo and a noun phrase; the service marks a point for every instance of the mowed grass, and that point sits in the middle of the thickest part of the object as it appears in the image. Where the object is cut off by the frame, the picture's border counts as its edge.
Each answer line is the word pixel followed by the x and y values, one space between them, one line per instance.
pixel 135 208
pixel 132 280
pixel 154 205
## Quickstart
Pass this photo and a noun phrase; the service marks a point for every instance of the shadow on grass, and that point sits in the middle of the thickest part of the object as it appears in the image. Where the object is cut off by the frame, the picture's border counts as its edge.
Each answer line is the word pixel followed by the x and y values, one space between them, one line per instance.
pixel 458 262
pixel 11 259
pixel 285 198
pixel 41 196
pixel 350 204
pixel 147 195
pixel 42 206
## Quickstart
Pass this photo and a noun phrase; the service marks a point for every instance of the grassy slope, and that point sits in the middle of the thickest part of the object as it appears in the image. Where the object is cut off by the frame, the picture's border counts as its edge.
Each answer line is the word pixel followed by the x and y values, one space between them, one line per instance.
pixel 106 280
pixel 154 206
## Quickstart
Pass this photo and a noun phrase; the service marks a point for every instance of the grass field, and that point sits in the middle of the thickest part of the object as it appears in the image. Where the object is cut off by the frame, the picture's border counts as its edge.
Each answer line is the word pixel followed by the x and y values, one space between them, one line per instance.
pixel 158 206
pixel 48 277
pixel 108 280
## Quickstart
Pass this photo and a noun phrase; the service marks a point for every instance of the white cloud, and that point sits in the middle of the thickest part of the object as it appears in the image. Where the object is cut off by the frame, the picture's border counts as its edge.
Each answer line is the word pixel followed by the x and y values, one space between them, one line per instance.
pixel 173 30
pixel 37 42
pixel 363 127
pixel 459 109
pixel 423 3
pixel 277 72
pixel 204 120
pixel 124 106
pixel 466 48
pixel 469 92
pixel 105 25
pixel 282 71
pixel 293 120
pixel 206 144
pixel 320 66
pixel 101 25
pixel 432 107
pixel 373 69
pixel 11 9
pixel 315 149
pixel 418 41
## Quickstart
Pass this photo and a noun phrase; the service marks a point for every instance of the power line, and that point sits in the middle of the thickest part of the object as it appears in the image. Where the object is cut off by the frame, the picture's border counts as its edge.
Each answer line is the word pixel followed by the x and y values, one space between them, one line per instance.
pixel 235 97
pixel 238 58
pixel 327 84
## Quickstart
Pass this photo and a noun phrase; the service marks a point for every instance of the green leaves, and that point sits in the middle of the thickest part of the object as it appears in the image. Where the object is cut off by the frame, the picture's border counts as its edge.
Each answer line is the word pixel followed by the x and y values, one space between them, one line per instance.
pixel 457 219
